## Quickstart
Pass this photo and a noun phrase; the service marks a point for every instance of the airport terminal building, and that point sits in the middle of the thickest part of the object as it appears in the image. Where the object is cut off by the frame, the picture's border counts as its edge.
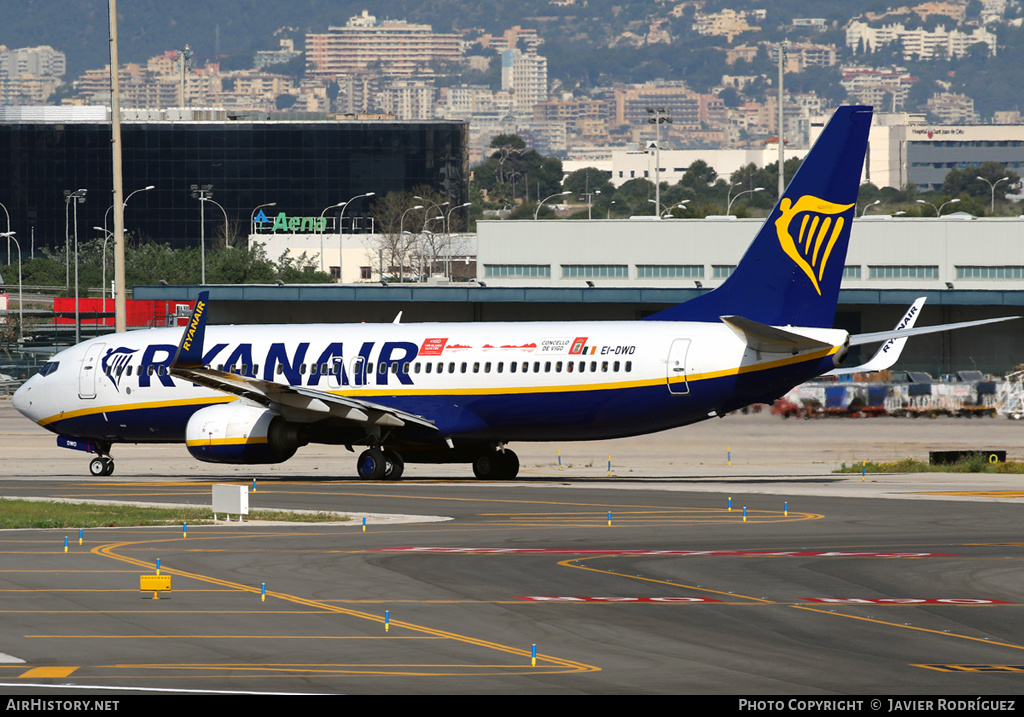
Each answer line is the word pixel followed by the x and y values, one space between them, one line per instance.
pixel 304 167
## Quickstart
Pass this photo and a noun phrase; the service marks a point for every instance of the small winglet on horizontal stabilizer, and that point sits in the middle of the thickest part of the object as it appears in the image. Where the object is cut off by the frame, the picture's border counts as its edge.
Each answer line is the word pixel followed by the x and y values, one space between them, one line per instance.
pixel 190 350
pixel 770 339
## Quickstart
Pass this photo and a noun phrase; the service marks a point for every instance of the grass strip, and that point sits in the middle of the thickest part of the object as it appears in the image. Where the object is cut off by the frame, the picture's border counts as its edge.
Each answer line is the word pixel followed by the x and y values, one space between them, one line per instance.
pixel 16 513
pixel 976 463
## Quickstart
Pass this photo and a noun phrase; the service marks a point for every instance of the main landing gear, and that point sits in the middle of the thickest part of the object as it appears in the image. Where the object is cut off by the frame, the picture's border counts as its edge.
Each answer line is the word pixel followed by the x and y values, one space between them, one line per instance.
pixel 496 465
pixel 377 463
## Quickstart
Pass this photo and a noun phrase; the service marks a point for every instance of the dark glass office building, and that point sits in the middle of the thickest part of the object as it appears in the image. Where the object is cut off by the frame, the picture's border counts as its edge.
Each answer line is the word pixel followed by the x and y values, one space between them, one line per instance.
pixel 303 166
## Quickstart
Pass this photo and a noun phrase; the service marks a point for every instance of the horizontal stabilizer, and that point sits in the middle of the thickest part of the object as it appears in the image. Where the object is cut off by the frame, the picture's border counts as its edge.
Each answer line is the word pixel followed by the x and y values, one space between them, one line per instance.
pixel 858 339
pixel 770 339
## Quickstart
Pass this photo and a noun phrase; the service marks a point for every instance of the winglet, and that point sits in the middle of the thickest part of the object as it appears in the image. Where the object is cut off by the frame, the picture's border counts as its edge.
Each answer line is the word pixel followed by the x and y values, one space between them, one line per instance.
pixel 190 350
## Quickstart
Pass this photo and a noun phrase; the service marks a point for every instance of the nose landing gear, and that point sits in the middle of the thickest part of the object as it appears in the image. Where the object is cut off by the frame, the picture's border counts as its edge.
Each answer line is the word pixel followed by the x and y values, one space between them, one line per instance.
pixel 102 465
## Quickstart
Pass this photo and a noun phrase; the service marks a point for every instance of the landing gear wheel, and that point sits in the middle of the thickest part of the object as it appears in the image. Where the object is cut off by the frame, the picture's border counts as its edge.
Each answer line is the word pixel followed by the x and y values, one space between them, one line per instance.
pixel 394 466
pixel 101 466
pixel 485 466
pixel 497 465
pixel 510 464
pixel 371 464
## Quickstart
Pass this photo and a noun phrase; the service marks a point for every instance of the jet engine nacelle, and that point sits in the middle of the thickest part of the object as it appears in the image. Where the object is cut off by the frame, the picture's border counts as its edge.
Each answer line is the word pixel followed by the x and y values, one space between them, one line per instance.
pixel 237 433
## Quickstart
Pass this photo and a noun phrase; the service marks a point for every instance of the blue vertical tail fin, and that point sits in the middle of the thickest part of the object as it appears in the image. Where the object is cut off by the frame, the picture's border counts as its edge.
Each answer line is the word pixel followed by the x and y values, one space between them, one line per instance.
pixel 790 274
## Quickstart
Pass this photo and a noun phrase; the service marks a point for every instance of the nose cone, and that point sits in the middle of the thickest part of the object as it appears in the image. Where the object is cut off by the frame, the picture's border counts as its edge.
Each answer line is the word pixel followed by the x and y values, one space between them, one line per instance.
pixel 22 399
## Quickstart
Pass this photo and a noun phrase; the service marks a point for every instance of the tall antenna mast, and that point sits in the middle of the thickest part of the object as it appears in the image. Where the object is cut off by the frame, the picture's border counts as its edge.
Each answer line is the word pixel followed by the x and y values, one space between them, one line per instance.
pixel 120 303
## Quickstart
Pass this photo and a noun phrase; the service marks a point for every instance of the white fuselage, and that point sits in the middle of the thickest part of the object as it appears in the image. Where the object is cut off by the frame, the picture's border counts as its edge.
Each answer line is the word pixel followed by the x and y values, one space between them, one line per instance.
pixel 481 381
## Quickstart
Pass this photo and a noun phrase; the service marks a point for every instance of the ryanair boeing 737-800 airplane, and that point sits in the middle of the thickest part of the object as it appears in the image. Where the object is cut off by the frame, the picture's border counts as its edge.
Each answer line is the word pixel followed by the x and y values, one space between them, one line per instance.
pixel 461 392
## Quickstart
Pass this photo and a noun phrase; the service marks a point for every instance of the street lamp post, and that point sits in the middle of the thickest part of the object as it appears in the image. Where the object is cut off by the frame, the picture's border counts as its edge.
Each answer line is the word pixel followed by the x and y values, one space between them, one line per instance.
pixel 536 212
pixel 938 209
pixel 433 245
pixel 779 53
pixel 8 234
pixel 991 186
pixel 21 299
pixel 106 235
pixel 76 197
pixel 448 237
pixel 341 216
pixel 69 198
pixel 202 193
pixel 730 199
pixel 868 206
pixel 667 210
pixel 226 238
pixel 658 116
pixel 401 243
pixel 339 205
pixel 125 204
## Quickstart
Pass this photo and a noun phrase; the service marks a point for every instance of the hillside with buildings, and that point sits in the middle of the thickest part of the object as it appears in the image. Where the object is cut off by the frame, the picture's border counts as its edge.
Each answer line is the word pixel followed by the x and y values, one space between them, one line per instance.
pixel 572 77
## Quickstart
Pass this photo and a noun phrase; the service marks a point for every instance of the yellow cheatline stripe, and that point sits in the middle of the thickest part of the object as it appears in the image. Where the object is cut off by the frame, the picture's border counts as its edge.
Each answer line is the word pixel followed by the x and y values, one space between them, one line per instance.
pixel 736 596
pixel 569 666
pixel 357 392
pixel 135 407
pixel 911 627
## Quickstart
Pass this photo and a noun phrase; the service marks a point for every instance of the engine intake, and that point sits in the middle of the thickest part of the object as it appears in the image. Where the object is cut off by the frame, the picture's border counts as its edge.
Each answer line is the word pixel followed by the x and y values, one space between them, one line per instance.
pixel 236 433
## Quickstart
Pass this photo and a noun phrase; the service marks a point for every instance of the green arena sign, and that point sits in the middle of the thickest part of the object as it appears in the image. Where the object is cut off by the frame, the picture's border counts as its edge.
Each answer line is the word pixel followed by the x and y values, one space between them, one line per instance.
pixel 284 223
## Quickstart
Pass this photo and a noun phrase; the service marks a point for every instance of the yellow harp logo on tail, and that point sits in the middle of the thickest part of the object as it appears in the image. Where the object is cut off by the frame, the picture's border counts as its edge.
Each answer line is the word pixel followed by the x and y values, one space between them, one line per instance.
pixel 819 226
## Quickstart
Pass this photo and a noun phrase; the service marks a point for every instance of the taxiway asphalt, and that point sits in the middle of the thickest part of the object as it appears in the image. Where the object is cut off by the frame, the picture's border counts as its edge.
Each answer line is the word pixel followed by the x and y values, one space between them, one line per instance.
pixel 891 585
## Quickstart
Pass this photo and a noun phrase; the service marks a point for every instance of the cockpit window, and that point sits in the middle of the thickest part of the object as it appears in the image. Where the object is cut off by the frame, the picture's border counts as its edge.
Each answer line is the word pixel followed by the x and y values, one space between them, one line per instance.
pixel 49 367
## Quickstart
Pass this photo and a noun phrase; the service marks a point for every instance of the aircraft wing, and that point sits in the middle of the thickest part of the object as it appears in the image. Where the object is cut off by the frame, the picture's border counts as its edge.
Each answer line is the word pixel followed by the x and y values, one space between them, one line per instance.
pixel 889 352
pixel 187 365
